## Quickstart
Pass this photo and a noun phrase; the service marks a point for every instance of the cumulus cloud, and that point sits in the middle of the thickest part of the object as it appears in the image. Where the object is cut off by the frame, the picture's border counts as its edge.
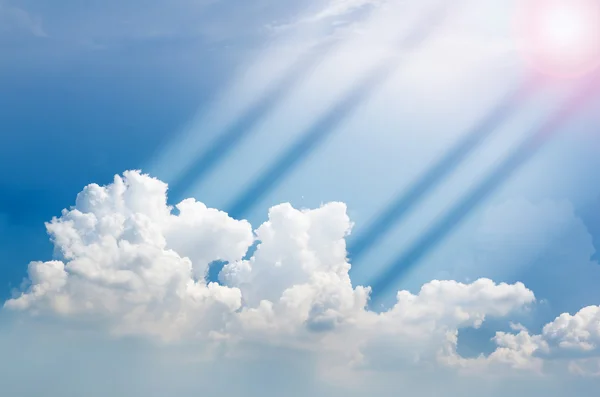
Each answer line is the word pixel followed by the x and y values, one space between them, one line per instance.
pixel 513 352
pixel 578 332
pixel 129 263
pixel 126 258
pixel 570 340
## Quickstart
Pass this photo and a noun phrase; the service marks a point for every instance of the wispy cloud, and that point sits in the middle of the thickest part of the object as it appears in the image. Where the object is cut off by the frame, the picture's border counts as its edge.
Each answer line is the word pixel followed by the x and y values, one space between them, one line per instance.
pixel 334 12
pixel 15 19
pixel 337 8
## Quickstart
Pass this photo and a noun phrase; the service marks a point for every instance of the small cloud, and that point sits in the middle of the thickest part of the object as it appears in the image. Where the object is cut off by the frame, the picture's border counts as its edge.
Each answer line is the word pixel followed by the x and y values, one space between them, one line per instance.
pixel 333 11
pixel 517 327
pixel 337 8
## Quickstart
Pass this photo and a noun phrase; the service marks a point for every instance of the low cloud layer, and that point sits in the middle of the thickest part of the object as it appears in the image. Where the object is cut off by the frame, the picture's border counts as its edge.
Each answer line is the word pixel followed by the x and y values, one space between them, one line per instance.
pixel 131 265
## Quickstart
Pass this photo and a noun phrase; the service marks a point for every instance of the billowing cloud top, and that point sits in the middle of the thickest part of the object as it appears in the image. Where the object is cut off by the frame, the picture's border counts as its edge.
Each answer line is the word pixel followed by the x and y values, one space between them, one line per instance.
pixel 135 266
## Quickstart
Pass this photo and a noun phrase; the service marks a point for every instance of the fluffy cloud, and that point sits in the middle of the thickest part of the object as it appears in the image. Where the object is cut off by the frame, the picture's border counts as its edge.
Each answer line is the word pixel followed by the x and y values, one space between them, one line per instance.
pixel 569 342
pixel 131 264
pixel 579 332
pixel 126 258
pixel 514 351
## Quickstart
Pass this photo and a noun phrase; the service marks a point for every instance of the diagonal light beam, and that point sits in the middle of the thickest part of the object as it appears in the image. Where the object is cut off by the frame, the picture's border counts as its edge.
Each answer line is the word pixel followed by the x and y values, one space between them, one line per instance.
pixel 241 127
pixel 401 206
pixel 327 124
pixel 499 175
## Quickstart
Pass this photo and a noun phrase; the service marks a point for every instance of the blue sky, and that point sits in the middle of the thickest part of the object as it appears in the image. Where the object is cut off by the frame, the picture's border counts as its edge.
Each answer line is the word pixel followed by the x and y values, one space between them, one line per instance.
pixel 91 90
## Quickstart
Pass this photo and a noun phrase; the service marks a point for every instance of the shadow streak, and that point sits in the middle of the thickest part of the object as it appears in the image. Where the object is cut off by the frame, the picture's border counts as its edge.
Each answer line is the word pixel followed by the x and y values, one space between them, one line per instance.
pixel 401 205
pixel 241 127
pixel 326 125
pixel 499 175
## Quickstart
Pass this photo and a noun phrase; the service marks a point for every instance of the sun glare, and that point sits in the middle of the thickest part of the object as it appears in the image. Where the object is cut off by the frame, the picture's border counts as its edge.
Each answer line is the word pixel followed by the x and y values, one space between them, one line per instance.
pixel 561 37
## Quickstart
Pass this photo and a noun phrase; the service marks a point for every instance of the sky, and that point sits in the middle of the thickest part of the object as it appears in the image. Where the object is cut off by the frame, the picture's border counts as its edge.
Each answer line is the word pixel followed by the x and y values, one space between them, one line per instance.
pixel 319 197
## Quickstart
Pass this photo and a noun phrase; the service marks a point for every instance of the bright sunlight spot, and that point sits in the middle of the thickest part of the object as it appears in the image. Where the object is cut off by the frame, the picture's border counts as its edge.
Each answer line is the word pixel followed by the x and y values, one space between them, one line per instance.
pixel 561 37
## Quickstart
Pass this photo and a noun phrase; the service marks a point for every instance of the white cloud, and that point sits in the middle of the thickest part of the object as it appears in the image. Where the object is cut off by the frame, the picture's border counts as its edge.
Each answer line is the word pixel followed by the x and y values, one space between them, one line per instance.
pixel 571 341
pixel 579 332
pixel 128 263
pixel 17 19
pixel 331 13
pixel 119 263
pixel 337 8
pixel 513 352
